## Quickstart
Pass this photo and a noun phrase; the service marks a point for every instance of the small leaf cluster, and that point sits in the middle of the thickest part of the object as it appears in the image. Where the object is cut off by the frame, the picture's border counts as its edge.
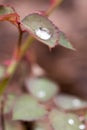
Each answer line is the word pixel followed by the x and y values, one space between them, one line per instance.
pixel 46 107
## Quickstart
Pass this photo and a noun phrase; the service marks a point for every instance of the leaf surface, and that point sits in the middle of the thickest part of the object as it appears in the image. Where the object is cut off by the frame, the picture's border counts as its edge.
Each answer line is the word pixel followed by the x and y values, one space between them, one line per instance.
pixel 28 109
pixel 60 121
pixel 42 88
pixel 41 28
pixel 63 41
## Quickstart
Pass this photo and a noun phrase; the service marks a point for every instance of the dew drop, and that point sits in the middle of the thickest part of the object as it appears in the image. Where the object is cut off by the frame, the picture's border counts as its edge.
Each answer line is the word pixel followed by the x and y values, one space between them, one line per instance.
pixel 43 33
pixel 82 127
pixel 41 94
pixel 71 121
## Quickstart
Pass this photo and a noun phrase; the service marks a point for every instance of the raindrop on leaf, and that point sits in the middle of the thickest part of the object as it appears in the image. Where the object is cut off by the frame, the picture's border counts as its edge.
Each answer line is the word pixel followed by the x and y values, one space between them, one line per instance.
pixel 68 102
pixel 42 88
pixel 67 121
pixel 43 33
pixel 42 29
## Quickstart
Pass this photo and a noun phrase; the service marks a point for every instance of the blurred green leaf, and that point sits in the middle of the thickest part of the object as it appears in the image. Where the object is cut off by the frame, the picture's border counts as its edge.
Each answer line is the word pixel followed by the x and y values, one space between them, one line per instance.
pixel 4 10
pixel 42 88
pixel 69 102
pixel 28 109
pixel 60 121
pixel 9 103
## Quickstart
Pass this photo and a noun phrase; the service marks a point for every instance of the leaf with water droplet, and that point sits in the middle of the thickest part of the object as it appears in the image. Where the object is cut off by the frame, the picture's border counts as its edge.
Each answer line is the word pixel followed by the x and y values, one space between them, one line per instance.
pixel 42 88
pixel 60 120
pixel 63 41
pixel 8 13
pixel 69 102
pixel 42 29
pixel 27 108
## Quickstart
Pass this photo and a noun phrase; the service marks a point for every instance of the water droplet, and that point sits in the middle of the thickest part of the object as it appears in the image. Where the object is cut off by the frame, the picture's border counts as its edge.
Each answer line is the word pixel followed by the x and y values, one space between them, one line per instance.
pixel 43 33
pixel 71 121
pixel 41 94
pixel 82 127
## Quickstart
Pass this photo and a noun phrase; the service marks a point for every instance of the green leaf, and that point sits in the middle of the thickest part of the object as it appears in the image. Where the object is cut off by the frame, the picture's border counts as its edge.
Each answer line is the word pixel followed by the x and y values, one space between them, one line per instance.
pixel 63 41
pixel 45 31
pixel 9 102
pixel 4 10
pixel 42 29
pixel 42 88
pixel 60 121
pixel 69 102
pixel 28 109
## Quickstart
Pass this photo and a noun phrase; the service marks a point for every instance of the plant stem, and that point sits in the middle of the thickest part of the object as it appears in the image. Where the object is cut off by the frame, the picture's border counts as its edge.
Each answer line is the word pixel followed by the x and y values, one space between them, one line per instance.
pixel 14 63
pixel 20 35
pixel 17 52
pixel 2 115
pixel 54 5
pixel 26 45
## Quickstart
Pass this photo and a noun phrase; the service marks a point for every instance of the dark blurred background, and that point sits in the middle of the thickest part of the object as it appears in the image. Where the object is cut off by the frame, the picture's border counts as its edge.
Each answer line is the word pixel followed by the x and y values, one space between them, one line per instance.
pixel 68 68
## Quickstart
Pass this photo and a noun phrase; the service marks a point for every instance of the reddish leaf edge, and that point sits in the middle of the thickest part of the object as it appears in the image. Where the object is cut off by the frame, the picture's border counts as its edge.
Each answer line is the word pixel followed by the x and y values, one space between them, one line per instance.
pixel 14 18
